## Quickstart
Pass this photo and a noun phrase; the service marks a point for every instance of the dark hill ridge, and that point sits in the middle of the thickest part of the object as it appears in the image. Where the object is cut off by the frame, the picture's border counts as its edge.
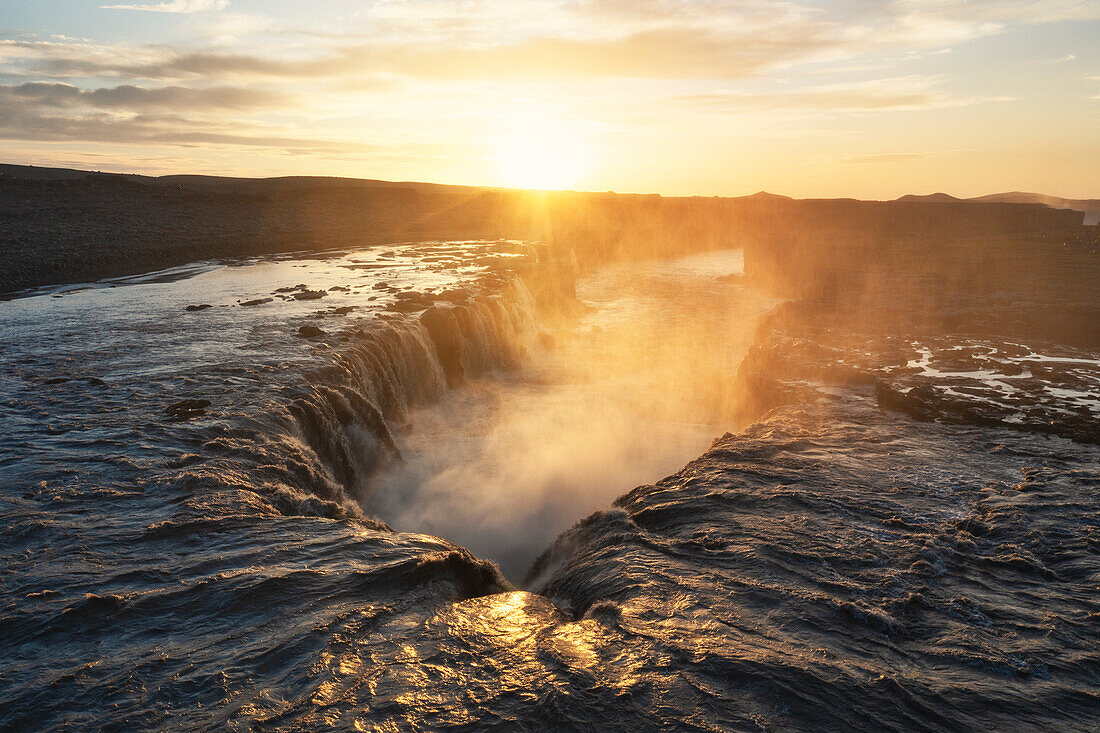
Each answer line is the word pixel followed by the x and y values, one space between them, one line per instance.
pixel 36 173
pixel 1011 197
pixel 938 198
pixel 1054 202
pixel 1089 207
pixel 60 225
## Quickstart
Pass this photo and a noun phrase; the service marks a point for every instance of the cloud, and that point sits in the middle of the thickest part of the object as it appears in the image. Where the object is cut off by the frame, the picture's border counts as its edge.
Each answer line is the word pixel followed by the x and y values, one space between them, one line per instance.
pixel 31 124
pixel 180 116
pixel 886 158
pixel 175 6
pixel 45 95
pixel 213 87
pixel 51 111
pixel 674 53
pixel 896 93
pixel 660 53
pixel 73 60
pixel 551 39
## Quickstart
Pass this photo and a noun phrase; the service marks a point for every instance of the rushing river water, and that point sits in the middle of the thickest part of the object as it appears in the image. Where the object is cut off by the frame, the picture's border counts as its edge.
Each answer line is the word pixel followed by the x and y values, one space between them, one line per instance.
pixel 279 494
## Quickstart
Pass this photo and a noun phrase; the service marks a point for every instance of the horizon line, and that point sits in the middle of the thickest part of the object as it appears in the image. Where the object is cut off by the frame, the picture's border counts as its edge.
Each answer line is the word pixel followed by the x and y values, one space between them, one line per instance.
pixel 967 199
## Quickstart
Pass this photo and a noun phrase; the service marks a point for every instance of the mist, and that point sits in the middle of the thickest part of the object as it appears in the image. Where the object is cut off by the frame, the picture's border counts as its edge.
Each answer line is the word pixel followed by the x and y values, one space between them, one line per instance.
pixel 630 391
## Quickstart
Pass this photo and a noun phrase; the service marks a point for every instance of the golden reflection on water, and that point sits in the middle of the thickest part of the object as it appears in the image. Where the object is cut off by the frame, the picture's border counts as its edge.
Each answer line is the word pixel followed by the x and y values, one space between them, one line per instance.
pixel 525 640
pixel 509 620
pixel 572 644
pixel 533 639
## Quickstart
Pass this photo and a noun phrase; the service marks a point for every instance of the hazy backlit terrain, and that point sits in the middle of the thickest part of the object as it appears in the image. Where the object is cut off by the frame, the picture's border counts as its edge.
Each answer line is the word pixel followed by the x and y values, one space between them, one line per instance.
pixel 418 365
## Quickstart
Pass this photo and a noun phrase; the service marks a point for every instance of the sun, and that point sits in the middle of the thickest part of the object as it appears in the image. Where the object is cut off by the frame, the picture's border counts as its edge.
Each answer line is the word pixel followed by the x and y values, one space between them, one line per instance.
pixel 540 151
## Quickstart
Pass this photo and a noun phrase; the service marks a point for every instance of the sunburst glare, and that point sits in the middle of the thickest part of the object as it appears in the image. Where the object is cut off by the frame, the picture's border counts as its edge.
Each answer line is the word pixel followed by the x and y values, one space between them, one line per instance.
pixel 539 150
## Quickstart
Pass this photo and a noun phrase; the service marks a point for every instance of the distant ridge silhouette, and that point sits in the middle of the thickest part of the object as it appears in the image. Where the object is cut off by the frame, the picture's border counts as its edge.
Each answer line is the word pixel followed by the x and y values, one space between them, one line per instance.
pixel 937 198
pixel 1011 197
pixel 1054 202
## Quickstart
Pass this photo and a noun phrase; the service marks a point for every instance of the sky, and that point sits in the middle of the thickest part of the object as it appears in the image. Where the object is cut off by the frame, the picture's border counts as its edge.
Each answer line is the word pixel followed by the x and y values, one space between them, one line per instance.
pixel 679 97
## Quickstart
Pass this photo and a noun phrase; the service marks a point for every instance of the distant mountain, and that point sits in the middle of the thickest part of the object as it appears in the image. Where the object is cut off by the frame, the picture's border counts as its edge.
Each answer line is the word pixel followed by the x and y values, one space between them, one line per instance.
pixel 935 198
pixel 1054 202
pixel 1013 197
pixel 1090 207
pixel 36 173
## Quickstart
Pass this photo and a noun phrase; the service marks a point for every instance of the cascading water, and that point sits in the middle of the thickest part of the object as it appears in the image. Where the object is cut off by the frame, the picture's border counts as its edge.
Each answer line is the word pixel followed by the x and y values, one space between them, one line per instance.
pixel 394 365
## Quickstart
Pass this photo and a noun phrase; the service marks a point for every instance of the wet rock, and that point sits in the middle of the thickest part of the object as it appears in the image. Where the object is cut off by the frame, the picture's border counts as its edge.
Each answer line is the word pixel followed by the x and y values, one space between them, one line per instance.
pixel 202 307
pixel 339 288
pixel 453 295
pixel 257 301
pixel 416 298
pixel 406 306
pixel 1082 427
pixel 309 332
pixel 344 310
pixel 310 295
pixel 186 409
pixel 920 402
